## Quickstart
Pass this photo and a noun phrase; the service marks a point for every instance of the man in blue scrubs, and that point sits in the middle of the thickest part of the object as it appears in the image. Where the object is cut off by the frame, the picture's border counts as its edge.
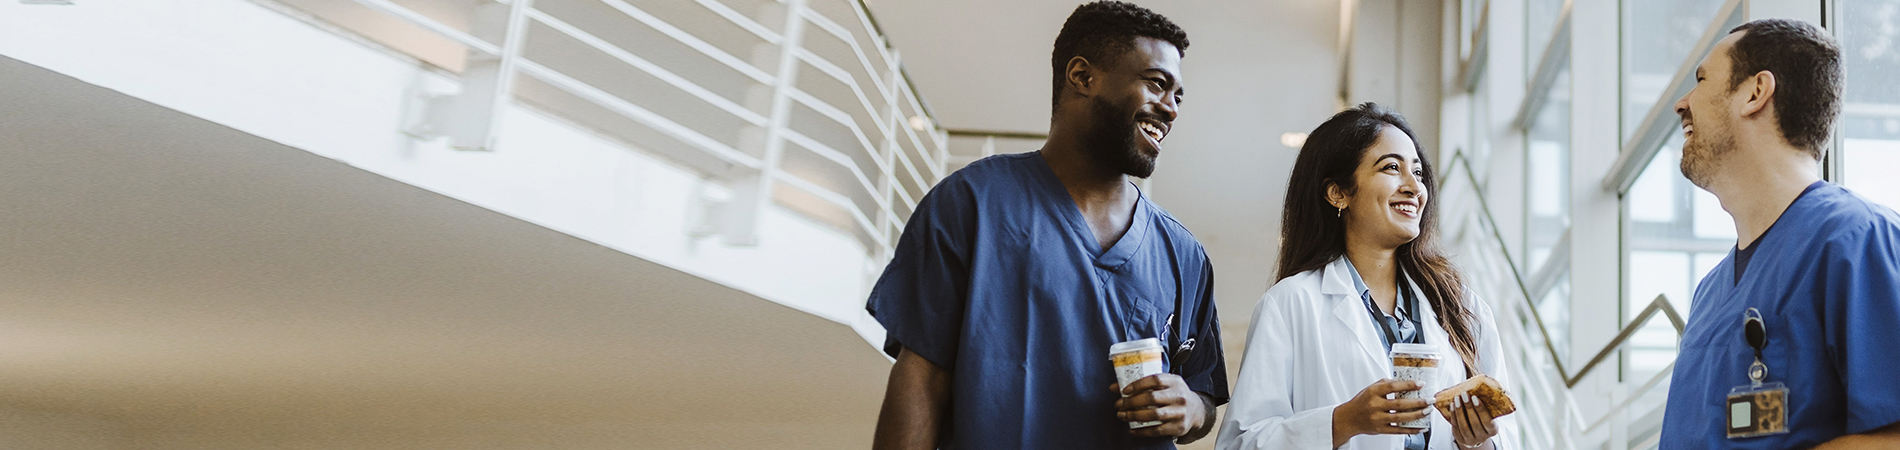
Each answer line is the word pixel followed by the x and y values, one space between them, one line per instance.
pixel 1817 265
pixel 1016 273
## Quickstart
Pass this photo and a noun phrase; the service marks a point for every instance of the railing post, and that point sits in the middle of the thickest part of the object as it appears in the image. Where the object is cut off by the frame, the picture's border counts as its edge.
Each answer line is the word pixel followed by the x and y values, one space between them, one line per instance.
pixel 470 118
pixel 752 192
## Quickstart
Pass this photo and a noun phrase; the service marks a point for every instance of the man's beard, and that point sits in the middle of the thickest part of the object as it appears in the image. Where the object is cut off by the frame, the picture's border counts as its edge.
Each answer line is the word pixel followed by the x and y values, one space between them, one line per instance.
pixel 1110 142
pixel 1702 153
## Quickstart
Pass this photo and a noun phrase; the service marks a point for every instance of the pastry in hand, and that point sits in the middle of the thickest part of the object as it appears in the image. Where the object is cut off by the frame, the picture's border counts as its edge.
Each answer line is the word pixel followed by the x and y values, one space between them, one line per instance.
pixel 1481 387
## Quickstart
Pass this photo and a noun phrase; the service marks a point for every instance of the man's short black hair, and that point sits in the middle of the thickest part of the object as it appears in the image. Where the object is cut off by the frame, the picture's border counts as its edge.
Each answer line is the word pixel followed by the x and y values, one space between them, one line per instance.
pixel 1104 30
pixel 1807 67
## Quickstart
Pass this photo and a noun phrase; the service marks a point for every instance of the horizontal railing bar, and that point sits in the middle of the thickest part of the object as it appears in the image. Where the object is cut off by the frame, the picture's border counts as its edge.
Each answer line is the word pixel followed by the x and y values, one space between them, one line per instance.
pixel 635 112
pixel 920 147
pixel 650 68
pixel 836 115
pixel 1631 398
pixel 439 28
pixel 966 132
pixel 835 199
pixel 742 21
pixel 910 95
pixel 910 168
pixel 687 38
pixel 842 76
pixel 833 155
pixel 844 34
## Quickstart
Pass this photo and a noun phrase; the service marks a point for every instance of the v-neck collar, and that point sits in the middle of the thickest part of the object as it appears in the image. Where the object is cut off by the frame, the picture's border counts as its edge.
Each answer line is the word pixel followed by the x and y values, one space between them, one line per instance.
pixel 1139 225
pixel 1337 286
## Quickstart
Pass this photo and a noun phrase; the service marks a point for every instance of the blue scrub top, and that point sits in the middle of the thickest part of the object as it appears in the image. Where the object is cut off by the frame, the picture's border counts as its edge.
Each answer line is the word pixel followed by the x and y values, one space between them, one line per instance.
pixel 999 280
pixel 1826 277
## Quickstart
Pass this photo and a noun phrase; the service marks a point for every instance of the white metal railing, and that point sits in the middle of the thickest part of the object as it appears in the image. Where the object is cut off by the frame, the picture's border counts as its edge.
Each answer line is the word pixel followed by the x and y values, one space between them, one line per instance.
pixel 816 115
pixel 1551 417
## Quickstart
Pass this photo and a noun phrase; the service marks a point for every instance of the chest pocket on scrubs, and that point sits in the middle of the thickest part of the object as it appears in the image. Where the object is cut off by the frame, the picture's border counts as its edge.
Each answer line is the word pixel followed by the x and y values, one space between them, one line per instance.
pixel 1146 313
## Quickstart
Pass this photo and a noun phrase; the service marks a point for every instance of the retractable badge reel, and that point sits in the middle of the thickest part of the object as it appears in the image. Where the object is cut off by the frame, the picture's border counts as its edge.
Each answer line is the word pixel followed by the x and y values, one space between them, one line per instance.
pixel 1758 409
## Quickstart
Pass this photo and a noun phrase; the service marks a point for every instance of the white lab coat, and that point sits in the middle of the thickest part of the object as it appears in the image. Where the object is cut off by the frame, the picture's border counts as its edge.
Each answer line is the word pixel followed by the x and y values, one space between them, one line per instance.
pixel 1313 346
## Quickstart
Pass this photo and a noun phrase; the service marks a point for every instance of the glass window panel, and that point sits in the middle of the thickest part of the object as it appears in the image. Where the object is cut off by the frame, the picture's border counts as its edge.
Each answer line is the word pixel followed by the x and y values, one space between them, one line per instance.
pixel 1870 171
pixel 1674 235
pixel 1657 37
pixel 1547 202
pixel 1540 20
pixel 1870 118
pixel 1555 309
pixel 1655 178
pixel 1656 272
pixel 1711 221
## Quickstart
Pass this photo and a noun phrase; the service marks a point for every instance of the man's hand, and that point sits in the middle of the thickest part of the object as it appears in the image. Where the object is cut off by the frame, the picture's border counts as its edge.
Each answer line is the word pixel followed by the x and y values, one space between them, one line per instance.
pixel 1166 398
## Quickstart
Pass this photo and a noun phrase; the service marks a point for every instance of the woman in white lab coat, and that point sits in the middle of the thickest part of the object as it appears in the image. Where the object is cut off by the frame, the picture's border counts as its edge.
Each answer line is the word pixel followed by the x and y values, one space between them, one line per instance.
pixel 1359 232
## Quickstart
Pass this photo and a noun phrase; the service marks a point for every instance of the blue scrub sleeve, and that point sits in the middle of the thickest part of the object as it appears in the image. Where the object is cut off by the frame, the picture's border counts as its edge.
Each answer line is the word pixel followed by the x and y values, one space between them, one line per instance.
pixel 921 297
pixel 1863 306
pixel 1206 367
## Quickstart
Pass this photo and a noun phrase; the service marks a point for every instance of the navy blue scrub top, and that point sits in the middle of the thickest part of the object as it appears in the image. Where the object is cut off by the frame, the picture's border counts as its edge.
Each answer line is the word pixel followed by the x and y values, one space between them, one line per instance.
pixel 1826 277
pixel 998 279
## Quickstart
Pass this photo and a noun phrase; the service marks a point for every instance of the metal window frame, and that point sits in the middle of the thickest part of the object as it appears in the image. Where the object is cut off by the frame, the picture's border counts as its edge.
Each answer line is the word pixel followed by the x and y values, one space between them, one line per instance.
pixel 1661 120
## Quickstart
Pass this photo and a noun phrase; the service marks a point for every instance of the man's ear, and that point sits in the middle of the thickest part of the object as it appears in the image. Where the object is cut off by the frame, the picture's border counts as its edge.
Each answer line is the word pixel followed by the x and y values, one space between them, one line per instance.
pixel 1081 76
pixel 1761 93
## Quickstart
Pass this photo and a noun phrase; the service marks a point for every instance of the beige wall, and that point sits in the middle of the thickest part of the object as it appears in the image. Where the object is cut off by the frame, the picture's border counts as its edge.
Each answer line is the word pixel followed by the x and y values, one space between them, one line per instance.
pixel 22 428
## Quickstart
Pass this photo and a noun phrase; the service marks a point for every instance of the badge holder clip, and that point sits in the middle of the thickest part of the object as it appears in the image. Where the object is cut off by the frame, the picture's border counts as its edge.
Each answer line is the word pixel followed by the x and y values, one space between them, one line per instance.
pixel 1758 409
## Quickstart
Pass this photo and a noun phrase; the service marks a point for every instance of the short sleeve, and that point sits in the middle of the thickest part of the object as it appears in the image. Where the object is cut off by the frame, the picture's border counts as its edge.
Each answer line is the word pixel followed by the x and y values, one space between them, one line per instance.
pixel 1863 310
pixel 921 296
pixel 1205 369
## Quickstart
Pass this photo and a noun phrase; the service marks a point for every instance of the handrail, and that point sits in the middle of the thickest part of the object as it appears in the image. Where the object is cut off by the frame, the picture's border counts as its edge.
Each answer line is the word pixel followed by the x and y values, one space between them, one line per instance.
pixel 1661 303
pixel 1491 222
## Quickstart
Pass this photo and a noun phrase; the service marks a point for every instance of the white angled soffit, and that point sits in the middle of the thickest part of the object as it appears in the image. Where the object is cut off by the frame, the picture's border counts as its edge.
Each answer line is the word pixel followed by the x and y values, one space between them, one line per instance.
pixel 161 268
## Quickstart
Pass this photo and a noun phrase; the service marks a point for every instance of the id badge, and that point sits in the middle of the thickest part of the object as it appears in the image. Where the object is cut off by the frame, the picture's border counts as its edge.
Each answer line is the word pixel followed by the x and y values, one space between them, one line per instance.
pixel 1757 410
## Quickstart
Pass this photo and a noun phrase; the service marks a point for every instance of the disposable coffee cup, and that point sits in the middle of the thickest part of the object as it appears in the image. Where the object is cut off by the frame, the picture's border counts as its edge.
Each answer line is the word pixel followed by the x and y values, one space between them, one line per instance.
pixel 1415 362
pixel 1135 360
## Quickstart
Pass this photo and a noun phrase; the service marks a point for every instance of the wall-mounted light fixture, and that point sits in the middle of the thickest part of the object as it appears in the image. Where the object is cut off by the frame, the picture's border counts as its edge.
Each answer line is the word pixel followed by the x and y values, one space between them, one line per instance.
pixel 1293 140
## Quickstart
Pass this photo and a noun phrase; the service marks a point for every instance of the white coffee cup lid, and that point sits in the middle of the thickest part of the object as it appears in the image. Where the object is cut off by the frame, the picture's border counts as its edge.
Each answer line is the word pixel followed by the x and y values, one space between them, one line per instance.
pixel 1138 344
pixel 1415 349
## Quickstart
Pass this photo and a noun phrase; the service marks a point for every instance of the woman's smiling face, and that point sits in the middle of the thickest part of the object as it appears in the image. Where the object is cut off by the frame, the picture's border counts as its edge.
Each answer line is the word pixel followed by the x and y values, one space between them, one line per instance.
pixel 1388 198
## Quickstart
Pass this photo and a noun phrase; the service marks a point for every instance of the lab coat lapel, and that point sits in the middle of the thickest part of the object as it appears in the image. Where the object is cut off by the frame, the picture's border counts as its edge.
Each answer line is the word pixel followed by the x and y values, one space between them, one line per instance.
pixel 1336 286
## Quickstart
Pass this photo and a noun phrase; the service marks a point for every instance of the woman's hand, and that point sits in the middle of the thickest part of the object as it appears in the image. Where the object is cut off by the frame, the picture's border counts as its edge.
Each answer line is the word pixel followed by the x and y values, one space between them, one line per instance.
pixel 1470 422
pixel 1371 413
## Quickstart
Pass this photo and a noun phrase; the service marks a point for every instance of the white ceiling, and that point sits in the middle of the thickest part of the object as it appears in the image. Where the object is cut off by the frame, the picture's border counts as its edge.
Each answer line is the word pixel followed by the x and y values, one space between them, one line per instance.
pixel 1254 69
pixel 191 280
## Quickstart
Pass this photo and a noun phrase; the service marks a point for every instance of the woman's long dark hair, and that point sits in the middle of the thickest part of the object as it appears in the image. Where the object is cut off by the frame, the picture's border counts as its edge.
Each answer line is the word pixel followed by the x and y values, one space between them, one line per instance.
pixel 1310 238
